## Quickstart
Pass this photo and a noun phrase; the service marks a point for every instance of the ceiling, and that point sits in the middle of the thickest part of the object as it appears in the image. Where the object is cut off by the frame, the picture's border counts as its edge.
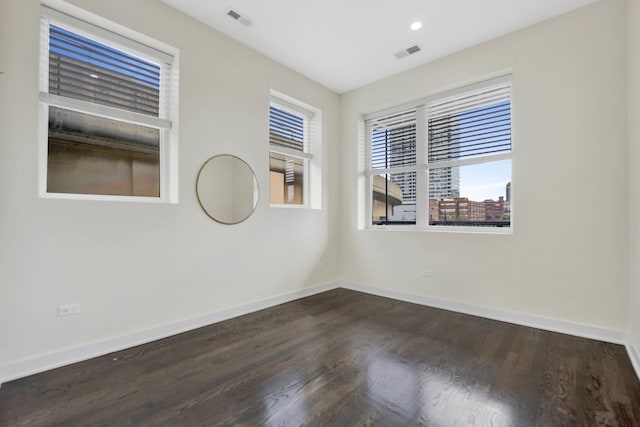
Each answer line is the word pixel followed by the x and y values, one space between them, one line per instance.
pixel 345 44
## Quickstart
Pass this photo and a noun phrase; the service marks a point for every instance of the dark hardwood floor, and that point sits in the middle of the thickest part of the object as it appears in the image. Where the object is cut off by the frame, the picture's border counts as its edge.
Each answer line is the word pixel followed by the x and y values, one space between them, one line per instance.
pixel 340 358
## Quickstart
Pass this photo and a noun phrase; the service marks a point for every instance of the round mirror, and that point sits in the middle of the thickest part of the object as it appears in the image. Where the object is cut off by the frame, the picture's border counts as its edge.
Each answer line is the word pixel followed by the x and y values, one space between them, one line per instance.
pixel 227 189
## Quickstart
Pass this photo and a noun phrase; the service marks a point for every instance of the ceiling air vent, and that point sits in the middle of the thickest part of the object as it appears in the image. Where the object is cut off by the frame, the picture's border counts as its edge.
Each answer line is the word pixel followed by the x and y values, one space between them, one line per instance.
pixel 408 51
pixel 238 17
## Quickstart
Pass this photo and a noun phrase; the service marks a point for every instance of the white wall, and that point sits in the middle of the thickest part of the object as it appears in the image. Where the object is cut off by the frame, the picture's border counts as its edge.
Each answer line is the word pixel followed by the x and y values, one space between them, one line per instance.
pixel 634 172
pixel 134 266
pixel 567 256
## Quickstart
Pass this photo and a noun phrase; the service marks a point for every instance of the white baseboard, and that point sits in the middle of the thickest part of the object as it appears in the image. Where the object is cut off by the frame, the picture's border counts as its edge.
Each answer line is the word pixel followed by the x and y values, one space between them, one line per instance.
pixel 26 367
pixel 634 355
pixel 540 322
pixel 53 360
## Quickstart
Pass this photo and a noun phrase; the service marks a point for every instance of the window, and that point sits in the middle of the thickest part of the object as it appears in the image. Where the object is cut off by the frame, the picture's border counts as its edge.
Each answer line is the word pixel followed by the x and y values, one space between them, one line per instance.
pixel 293 153
pixel 107 109
pixel 393 168
pixel 443 162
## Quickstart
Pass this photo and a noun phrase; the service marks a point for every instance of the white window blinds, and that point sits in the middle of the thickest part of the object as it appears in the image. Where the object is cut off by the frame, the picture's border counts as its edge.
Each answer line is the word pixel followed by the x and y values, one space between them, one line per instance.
pixel 286 129
pixel 472 124
pixel 393 140
pixel 84 69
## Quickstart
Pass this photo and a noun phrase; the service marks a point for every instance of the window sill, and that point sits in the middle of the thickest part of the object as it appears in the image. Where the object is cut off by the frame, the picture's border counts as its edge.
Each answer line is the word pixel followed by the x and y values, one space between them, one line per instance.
pixel 286 206
pixel 459 230
pixel 105 198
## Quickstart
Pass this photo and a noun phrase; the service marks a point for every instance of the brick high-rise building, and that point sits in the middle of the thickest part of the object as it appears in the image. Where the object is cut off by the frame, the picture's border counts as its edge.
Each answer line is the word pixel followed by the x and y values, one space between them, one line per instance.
pixel 464 210
pixel 495 210
pixel 458 209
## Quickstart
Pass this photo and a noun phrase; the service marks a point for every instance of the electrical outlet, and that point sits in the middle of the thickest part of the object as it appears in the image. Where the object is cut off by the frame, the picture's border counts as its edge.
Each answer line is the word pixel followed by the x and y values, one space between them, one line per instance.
pixel 426 273
pixel 68 309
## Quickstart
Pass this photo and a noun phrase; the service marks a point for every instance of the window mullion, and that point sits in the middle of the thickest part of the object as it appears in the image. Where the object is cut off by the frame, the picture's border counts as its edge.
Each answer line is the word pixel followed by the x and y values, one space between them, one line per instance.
pixel 305 174
pixel 164 165
pixel 368 183
pixel 421 176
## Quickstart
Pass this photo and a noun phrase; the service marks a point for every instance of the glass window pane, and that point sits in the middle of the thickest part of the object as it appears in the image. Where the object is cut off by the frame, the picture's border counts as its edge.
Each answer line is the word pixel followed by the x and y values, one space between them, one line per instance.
pixel 93 155
pixel 286 179
pixel 393 198
pixel 472 195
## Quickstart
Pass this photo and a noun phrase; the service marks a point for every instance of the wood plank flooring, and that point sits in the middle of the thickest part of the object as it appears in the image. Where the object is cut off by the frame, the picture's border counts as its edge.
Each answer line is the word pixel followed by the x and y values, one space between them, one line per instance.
pixel 340 358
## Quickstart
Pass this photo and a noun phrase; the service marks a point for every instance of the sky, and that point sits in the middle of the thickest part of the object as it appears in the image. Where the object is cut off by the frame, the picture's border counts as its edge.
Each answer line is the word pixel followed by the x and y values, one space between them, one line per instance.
pixel 485 180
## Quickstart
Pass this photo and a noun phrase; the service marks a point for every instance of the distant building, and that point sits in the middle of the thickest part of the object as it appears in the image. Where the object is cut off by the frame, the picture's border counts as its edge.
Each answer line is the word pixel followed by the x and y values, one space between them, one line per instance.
pixel 404 213
pixel 494 211
pixel 464 210
pixel 407 183
pixel 387 196
pixel 434 210
pixel 444 183
pixel 507 203
pixel 458 209
pixel 401 195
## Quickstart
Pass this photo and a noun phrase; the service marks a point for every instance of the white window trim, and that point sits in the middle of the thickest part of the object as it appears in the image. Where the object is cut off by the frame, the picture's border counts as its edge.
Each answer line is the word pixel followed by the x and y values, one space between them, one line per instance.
pixel 309 114
pixel 109 33
pixel 423 166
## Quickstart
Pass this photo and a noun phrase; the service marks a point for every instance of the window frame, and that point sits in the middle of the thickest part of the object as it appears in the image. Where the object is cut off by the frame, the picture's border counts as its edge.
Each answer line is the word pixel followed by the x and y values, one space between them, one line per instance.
pixel 287 104
pixel 98 29
pixel 422 165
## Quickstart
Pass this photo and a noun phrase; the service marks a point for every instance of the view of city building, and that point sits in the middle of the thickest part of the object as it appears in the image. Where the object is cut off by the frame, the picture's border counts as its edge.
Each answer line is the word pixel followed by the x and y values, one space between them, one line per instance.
pixel 388 207
pixel 444 183
pixel 469 212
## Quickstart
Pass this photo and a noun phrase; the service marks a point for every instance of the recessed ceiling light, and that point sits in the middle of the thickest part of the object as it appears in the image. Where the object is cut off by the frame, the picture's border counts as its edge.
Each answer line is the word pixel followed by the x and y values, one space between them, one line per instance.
pixel 416 26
